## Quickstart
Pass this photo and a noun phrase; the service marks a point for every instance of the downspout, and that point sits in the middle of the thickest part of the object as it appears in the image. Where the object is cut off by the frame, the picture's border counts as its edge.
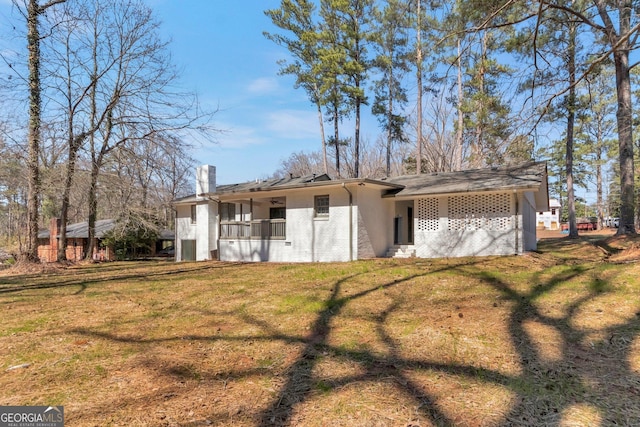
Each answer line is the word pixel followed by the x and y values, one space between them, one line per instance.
pixel 350 222
pixel 517 226
pixel 217 219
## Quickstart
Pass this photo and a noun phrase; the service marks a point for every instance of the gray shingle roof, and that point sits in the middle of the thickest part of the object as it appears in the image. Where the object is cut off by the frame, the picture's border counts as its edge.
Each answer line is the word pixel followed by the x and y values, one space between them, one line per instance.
pixel 518 177
pixel 80 230
pixel 270 184
pixel 258 185
pixel 531 176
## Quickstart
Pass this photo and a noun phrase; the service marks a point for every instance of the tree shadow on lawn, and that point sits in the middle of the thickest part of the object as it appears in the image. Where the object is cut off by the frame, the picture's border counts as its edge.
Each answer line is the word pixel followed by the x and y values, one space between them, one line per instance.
pixel 83 279
pixel 545 390
pixel 586 375
pixel 598 378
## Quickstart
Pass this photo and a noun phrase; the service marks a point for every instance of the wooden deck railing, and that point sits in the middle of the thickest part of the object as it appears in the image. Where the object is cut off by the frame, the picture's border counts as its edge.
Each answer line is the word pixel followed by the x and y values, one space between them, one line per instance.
pixel 257 229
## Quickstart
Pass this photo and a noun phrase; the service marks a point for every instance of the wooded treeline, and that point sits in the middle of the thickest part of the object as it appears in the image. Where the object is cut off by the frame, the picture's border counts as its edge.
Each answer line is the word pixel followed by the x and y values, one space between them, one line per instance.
pixel 97 121
pixel 469 83
pixel 94 120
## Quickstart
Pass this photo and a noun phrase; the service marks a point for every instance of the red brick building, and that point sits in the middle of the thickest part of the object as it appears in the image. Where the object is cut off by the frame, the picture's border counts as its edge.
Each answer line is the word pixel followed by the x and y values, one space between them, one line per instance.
pixel 77 241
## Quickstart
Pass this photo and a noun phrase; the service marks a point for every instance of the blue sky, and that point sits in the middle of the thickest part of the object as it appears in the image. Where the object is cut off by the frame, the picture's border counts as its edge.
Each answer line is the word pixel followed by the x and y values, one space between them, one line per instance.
pixel 224 56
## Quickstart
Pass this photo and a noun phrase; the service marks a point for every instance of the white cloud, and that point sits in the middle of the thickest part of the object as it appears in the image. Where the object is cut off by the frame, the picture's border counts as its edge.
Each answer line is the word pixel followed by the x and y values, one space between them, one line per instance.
pixel 263 86
pixel 294 124
pixel 238 137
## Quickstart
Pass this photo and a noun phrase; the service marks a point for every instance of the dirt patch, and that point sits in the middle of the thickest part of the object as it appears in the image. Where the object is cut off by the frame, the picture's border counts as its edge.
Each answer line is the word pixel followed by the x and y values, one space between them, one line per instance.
pixel 555 234
pixel 623 248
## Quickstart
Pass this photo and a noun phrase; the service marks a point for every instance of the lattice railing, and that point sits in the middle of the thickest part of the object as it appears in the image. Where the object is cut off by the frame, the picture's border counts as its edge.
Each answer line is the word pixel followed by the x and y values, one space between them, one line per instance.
pixel 479 212
pixel 428 214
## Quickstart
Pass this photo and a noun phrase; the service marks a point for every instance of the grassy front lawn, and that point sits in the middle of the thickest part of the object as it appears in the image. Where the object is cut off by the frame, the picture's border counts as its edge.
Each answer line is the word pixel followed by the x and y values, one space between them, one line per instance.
pixel 549 338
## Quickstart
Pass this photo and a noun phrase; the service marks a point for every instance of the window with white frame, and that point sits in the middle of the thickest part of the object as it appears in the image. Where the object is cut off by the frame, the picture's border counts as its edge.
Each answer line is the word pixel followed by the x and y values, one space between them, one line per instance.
pixel 194 209
pixel 321 206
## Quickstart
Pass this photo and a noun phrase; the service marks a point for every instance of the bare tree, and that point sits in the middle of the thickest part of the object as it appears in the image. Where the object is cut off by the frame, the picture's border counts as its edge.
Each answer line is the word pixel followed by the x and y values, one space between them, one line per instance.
pixel 373 161
pixel 113 82
pixel 77 67
pixel 12 193
pixel 137 94
pixel 301 164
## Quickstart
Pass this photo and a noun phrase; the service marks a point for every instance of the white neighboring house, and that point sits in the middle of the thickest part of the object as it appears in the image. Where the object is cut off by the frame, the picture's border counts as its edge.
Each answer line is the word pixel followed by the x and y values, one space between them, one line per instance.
pixel 308 219
pixel 550 219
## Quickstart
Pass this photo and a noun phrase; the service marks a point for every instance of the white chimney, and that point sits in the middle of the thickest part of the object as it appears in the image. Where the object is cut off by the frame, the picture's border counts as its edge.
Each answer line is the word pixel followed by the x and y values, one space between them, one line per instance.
pixel 205 180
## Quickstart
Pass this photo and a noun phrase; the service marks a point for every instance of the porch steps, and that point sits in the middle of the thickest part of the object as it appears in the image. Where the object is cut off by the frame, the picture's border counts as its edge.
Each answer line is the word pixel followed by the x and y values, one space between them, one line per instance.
pixel 401 251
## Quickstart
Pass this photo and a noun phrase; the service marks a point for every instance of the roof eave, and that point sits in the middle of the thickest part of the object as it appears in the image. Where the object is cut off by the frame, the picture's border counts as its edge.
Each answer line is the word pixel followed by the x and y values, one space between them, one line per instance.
pixel 400 195
pixel 216 196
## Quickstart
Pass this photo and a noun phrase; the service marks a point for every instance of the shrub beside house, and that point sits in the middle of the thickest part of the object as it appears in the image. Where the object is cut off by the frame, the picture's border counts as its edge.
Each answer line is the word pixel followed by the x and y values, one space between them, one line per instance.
pixel 105 248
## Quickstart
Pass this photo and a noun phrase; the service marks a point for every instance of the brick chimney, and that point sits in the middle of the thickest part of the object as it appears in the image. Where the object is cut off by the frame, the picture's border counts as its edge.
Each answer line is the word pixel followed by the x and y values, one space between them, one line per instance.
pixel 205 180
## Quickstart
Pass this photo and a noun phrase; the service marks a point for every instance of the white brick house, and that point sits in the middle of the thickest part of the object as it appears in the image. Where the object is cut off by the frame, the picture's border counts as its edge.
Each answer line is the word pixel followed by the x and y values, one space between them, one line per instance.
pixel 308 219
pixel 550 219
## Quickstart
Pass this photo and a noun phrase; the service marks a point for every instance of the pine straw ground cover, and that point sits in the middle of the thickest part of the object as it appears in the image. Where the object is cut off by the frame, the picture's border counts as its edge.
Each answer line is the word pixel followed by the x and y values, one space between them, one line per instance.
pixel 548 338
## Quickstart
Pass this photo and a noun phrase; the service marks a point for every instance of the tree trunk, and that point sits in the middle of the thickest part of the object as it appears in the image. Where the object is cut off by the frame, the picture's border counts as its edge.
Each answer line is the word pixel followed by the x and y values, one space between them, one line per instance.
pixel 478 155
pixel 336 137
pixel 96 161
pixel 624 111
pixel 356 142
pixel 390 123
pixel 93 209
pixel 571 114
pixel 419 84
pixel 33 139
pixel 66 193
pixel 625 141
pixel 325 164
pixel 33 45
pixel 457 157
pixel 599 191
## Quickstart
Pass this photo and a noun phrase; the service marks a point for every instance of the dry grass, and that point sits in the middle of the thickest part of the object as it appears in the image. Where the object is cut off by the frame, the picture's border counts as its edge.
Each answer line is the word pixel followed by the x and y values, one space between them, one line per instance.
pixel 549 338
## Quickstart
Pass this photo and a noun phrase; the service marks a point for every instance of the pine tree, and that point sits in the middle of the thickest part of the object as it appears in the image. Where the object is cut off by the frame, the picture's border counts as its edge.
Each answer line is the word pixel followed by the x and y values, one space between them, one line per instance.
pixel 296 18
pixel 391 43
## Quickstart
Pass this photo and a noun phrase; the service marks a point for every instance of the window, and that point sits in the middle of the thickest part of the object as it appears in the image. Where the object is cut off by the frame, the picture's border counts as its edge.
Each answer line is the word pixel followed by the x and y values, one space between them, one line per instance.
pixel 553 211
pixel 321 206
pixel 227 211
pixel 193 214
